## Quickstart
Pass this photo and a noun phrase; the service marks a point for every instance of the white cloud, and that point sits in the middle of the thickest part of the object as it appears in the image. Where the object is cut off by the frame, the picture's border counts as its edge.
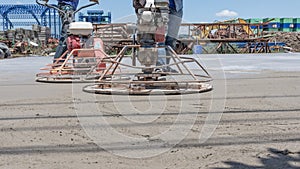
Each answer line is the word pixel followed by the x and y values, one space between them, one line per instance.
pixel 227 13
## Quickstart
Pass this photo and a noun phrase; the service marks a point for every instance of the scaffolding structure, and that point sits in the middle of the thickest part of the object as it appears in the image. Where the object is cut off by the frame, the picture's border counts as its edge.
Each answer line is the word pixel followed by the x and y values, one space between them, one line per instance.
pixel 25 15
pixel 213 37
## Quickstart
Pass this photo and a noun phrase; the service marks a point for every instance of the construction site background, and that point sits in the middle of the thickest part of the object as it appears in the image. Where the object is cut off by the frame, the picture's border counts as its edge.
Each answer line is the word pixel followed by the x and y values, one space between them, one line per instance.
pixel 275 31
pixel 37 41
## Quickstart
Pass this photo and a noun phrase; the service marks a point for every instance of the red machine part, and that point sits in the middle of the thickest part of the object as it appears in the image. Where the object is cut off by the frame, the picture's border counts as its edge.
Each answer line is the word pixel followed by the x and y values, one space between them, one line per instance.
pixel 73 42
pixel 160 34
pixel 98 44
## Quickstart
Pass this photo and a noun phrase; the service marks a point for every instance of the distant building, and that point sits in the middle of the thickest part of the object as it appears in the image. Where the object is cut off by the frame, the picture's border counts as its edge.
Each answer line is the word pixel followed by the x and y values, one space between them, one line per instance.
pixel 278 24
pixel 95 17
pixel 14 16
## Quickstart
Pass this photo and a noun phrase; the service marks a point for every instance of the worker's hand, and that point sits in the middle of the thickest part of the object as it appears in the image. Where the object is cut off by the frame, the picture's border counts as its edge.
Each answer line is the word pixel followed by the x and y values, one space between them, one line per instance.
pixel 137 4
pixel 97 1
pixel 46 1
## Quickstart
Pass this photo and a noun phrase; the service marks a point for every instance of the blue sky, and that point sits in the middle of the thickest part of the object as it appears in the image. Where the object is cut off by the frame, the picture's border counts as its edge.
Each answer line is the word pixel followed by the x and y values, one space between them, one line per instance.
pixel 207 10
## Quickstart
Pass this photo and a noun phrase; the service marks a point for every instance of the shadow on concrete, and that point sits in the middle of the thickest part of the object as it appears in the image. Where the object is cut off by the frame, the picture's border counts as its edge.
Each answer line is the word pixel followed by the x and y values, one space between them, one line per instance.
pixel 276 159
pixel 164 114
pixel 143 100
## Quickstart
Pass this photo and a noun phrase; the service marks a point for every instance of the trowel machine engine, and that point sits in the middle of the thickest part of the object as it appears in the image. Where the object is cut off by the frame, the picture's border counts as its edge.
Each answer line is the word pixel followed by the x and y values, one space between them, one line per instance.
pixel 80 37
pixel 153 17
pixel 79 34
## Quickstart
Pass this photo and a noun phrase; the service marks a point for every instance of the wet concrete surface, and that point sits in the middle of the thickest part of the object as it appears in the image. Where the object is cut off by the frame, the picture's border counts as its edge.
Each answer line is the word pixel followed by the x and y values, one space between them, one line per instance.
pixel 45 125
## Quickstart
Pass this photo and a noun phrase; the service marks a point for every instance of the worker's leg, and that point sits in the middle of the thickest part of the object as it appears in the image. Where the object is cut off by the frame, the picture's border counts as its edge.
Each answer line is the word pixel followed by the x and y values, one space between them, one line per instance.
pixel 62 45
pixel 175 19
pixel 61 48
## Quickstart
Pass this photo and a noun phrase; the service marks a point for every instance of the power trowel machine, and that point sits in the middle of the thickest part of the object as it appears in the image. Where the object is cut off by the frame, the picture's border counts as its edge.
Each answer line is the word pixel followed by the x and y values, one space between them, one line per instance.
pixel 78 57
pixel 144 74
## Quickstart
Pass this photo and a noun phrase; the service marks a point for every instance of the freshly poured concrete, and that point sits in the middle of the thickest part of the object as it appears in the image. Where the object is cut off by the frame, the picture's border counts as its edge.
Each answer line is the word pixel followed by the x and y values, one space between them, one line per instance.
pixel 55 125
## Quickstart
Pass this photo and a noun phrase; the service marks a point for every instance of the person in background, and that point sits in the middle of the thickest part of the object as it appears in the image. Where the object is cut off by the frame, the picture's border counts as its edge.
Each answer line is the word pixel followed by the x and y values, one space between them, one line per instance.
pixel 68 6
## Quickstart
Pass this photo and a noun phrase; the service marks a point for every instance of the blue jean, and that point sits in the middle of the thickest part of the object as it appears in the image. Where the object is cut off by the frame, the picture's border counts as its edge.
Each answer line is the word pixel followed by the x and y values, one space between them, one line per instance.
pixel 175 19
pixel 62 45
